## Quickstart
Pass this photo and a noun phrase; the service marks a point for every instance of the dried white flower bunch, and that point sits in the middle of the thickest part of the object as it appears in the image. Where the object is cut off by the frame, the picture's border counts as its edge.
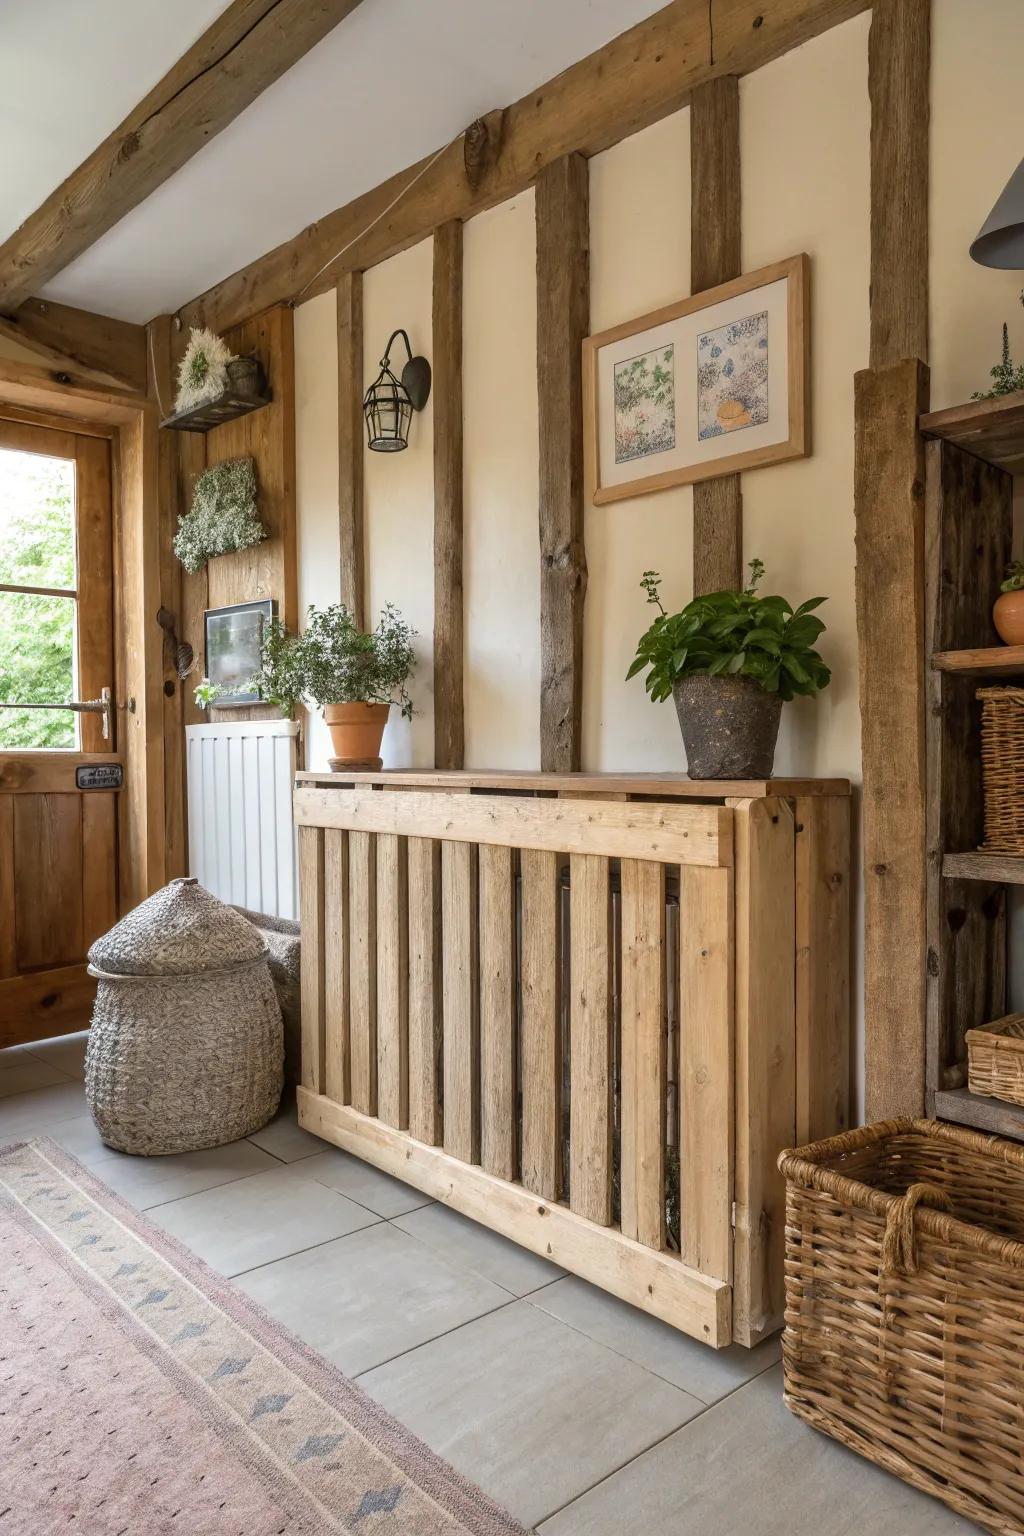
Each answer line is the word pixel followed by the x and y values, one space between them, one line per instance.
pixel 224 514
pixel 203 374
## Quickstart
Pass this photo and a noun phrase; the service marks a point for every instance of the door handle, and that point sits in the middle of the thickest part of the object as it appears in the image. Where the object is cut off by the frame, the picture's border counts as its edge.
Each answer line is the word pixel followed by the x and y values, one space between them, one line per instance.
pixel 101 706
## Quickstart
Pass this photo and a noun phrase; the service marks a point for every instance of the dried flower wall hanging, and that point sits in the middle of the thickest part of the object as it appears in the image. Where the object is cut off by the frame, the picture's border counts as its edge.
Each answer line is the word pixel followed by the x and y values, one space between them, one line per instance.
pixel 224 515
pixel 203 374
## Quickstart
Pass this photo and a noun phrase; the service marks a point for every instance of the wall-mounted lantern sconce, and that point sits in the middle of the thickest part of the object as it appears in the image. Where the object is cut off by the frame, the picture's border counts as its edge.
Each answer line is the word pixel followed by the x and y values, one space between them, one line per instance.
pixel 389 402
pixel 1000 241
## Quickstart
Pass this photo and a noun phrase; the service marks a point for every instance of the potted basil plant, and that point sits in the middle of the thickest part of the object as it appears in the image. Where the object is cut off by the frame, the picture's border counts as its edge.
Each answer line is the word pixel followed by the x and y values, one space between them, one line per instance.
pixel 730 660
pixel 355 677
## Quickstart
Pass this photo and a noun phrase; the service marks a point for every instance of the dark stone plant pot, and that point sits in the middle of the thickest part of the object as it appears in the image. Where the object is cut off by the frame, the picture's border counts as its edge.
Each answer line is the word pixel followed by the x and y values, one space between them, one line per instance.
pixel 730 726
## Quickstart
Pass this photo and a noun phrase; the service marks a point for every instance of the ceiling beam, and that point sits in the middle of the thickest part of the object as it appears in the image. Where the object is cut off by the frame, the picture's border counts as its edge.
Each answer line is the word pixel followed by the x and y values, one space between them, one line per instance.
pixel 114 351
pixel 633 81
pixel 250 45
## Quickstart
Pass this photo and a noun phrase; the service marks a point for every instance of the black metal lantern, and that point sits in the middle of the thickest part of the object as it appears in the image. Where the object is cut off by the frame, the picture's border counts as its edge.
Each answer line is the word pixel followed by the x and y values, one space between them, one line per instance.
pixel 389 402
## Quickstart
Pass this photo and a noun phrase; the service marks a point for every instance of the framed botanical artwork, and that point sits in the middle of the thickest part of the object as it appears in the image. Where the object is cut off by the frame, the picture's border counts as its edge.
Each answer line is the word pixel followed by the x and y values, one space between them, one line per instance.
pixel 705 387
pixel 234 636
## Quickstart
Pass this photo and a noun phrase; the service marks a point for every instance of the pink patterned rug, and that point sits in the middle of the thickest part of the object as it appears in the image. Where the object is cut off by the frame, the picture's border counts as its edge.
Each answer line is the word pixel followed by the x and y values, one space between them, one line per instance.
pixel 140 1394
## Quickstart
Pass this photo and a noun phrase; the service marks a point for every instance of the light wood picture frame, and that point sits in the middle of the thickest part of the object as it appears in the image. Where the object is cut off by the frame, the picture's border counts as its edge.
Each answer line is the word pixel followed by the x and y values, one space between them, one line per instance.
pixel 662 408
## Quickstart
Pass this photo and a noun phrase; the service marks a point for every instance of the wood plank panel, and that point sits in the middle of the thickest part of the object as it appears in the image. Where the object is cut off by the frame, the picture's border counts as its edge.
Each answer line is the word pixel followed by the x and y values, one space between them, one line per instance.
pixel 655 1282
pixel 590 1035
pixel 899 49
pixel 311 916
pixel 425 990
pixel 563 320
pixel 362 907
pixel 541 1046
pixel 498 1036
pixel 47 880
pixel 336 948
pixel 43 1004
pixel 95 578
pixel 351 441
pixel 889 508
pixel 643 1066
pixel 8 943
pixel 113 351
pixel 823 943
pixel 607 786
pixel 714 259
pixel 706 1068
pixel 459 927
pixel 765 1059
pixel 449 725
pixel 99 865
pixel 392 981
pixel 673 834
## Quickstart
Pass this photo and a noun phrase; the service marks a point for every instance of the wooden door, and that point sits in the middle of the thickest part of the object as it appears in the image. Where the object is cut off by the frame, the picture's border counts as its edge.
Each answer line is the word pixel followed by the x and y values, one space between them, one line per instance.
pixel 58 814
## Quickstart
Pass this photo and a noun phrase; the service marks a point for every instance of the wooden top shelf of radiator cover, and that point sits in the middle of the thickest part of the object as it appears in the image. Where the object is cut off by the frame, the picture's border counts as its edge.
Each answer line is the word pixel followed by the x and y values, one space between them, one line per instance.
pixel 992 430
pixel 660 786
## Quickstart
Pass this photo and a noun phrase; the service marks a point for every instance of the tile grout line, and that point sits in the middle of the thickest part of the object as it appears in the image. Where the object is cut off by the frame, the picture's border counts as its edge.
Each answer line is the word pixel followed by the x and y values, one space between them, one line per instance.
pixel 426 1343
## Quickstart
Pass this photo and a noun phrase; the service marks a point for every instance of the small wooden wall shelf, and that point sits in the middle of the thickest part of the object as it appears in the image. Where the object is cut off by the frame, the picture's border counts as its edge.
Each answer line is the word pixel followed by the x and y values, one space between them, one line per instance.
pixel 992 430
pixel 985 661
pixel 973 1109
pixel 1002 868
pixel 227 407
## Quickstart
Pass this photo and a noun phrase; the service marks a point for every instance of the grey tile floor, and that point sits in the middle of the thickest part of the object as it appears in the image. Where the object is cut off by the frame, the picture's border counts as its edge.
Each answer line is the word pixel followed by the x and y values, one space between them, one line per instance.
pixel 579 1414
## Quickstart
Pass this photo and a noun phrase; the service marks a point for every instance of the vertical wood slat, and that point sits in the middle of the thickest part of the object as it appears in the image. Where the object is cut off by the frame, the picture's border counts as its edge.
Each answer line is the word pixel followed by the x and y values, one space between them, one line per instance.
pixel 764 855
pixel 459 927
pixel 899 47
pixel 449 727
pixel 99 866
pixel 642 1118
pixel 563 320
pixel 350 440
pixel 425 995
pixel 362 908
pixel 715 258
pixel 392 982
pixel 706 1068
pixel 541 1045
pixel 8 930
pixel 311 909
pixel 823 1062
pixel 48 904
pixel 590 1034
pixel 336 948
pixel 498 1011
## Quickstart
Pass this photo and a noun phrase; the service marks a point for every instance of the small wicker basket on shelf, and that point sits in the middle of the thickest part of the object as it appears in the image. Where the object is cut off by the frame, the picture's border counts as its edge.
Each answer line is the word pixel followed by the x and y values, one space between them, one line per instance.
pixel 1002 762
pixel 995 1059
pixel 904 1335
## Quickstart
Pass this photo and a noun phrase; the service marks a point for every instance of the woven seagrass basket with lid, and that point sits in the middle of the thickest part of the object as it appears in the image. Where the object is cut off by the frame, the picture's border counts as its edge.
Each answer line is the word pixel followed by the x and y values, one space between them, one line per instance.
pixel 186 1048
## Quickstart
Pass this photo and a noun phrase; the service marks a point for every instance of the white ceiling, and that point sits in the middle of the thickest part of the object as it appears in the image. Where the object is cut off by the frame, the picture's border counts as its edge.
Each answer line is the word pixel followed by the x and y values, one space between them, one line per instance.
pixel 394 81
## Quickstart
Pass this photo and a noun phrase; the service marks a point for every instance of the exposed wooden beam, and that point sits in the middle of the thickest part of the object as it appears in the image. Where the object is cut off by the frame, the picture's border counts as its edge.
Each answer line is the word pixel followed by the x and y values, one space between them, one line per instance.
pixel 449 726
pixel 715 258
pixel 899 48
pixel 563 319
pixel 249 46
pixel 633 81
pixel 113 351
pixel 350 441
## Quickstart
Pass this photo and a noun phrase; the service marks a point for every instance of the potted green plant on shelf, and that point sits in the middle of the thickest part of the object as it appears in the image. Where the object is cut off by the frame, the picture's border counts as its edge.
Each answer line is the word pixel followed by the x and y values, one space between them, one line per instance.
pixel 730 660
pixel 1008 610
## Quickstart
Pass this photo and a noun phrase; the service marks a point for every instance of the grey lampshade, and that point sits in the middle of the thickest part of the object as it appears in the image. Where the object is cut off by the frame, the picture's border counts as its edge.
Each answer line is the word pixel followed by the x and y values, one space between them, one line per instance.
pixel 1000 241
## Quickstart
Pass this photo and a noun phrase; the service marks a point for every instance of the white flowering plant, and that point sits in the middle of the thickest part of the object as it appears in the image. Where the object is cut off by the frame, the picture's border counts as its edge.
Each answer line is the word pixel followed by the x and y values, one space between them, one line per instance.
pixel 203 372
pixel 224 514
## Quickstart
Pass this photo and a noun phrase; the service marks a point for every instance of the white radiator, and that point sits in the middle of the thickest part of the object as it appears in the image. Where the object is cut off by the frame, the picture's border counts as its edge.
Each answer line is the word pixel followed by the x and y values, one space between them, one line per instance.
pixel 241 837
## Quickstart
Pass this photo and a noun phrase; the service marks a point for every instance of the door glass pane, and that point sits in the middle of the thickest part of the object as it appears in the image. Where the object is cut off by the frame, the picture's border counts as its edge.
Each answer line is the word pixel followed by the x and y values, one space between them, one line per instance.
pixel 37 666
pixel 37 520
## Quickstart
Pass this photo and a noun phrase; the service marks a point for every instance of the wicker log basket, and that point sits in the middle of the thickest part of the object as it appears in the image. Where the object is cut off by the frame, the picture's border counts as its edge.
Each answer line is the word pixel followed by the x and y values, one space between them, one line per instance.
pixel 904 1334
pixel 185 1049
pixel 1002 765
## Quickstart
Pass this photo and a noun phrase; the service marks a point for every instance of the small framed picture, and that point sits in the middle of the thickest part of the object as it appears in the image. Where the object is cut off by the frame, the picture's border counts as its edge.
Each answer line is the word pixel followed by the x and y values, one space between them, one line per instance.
pixel 233 639
pixel 705 387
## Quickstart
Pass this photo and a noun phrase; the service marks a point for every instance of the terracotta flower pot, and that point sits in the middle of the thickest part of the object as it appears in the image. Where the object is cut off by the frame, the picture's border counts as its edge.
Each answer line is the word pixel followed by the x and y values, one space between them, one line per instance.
pixel 356 732
pixel 730 726
pixel 1008 617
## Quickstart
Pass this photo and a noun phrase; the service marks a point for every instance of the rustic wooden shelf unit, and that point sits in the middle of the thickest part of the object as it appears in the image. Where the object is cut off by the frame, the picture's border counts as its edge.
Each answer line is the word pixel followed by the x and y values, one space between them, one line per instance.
pixel 971 456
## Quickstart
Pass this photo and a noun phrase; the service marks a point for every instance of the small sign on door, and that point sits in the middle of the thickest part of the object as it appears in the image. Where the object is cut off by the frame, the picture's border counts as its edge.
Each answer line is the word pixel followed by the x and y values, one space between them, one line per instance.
pixel 100 776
